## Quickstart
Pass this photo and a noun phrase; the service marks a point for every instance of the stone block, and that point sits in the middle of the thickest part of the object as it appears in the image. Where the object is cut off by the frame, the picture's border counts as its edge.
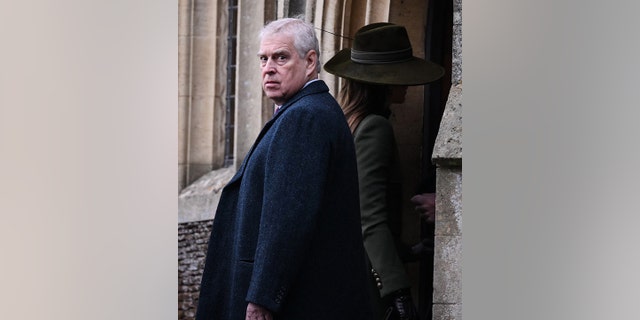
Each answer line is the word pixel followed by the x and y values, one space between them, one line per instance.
pixel 447 312
pixel 183 121
pixel 448 146
pixel 456 76
pixel 456 67
pixel 182 177
pixel 248 122
pixel 219 132
pixel 199 200
pixel 192 246
pixel 204 17
pixel 184 17
pixel 201 130
pixel 196 171
pixel 457 11
pixel 204 66
pixel 447 271
pixel 249 81
pixel 183 65
pixel 448 202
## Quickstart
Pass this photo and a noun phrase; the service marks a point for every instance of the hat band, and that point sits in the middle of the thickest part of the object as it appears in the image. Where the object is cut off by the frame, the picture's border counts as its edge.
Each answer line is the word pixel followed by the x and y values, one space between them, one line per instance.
pixel 379 57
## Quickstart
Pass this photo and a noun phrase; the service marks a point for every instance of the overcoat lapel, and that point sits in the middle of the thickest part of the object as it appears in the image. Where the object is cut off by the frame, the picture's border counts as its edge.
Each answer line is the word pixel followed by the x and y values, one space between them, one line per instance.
pixel 313 87
pixel 240 171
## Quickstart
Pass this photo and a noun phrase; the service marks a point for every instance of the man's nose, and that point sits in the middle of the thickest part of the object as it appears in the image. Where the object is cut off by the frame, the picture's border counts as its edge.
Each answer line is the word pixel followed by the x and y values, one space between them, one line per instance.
pixel 270 66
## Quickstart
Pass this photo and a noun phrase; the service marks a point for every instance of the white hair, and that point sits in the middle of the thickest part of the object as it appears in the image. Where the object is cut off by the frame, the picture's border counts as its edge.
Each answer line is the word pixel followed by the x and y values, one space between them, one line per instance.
pixel 302 32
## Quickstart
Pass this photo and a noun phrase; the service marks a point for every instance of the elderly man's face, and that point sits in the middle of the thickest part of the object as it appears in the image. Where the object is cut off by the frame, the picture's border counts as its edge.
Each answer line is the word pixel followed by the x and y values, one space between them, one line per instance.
pixel 284 72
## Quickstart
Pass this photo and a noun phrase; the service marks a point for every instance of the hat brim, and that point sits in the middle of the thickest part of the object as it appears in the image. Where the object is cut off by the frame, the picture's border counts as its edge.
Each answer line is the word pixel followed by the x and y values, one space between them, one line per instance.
pixel 409 73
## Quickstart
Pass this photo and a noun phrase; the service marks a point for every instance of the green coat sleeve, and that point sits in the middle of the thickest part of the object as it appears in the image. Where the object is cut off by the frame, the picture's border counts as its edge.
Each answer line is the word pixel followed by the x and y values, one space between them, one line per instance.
pixel 375 153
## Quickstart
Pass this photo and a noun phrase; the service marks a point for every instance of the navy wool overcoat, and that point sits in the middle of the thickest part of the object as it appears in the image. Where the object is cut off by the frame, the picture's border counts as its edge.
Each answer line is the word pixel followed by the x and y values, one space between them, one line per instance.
pixel 286 233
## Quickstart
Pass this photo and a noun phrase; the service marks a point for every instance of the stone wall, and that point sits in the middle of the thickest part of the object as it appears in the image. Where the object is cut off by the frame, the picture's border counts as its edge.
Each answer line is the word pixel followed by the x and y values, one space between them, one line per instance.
pixel 447 155
pixel 193 238
pixel 201 88
pixel 456 68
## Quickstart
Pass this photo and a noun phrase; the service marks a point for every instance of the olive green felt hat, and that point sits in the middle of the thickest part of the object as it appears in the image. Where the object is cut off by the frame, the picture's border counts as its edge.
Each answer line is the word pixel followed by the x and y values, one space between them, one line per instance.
pixel 382 54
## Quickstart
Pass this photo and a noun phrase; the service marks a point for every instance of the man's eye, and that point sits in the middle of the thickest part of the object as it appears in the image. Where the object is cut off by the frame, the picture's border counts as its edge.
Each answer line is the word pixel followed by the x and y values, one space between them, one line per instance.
pixel 282 58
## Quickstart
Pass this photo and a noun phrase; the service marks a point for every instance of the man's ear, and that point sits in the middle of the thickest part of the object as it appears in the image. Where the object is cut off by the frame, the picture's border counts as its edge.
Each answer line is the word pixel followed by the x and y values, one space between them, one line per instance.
pixel 312 59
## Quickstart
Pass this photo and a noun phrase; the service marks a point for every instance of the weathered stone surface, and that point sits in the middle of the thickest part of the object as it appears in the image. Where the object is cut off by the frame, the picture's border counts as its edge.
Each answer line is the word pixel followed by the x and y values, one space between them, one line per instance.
pixel 184 17
pixel 193 239
pixel 449 202
pixel 447 273
pixel 447 155
pixel 203 65
pixel 184 52
pixel 447 312
pixel 201 130
pixel 204 17
pixel 196 171
pixel 456 68
pixel 456 62
pixel 199 200
pixel 249 82
pixel 448 147
pixel 457 11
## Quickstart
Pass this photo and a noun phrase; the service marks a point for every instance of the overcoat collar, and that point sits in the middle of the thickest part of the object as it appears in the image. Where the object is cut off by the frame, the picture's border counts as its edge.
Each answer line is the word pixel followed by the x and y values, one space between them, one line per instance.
pixel 314 87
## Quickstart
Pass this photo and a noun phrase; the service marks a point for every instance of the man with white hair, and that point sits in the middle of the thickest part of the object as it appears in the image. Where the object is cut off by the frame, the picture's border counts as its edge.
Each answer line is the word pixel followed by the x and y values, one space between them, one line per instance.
pixel 286 241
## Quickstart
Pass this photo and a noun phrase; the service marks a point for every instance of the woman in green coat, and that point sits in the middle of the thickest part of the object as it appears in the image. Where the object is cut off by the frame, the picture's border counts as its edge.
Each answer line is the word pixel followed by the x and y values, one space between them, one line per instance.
pixel 376 74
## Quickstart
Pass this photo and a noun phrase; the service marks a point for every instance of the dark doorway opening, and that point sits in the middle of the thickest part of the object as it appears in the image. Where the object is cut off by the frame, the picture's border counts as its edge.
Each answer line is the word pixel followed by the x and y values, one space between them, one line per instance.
pixel 438 48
